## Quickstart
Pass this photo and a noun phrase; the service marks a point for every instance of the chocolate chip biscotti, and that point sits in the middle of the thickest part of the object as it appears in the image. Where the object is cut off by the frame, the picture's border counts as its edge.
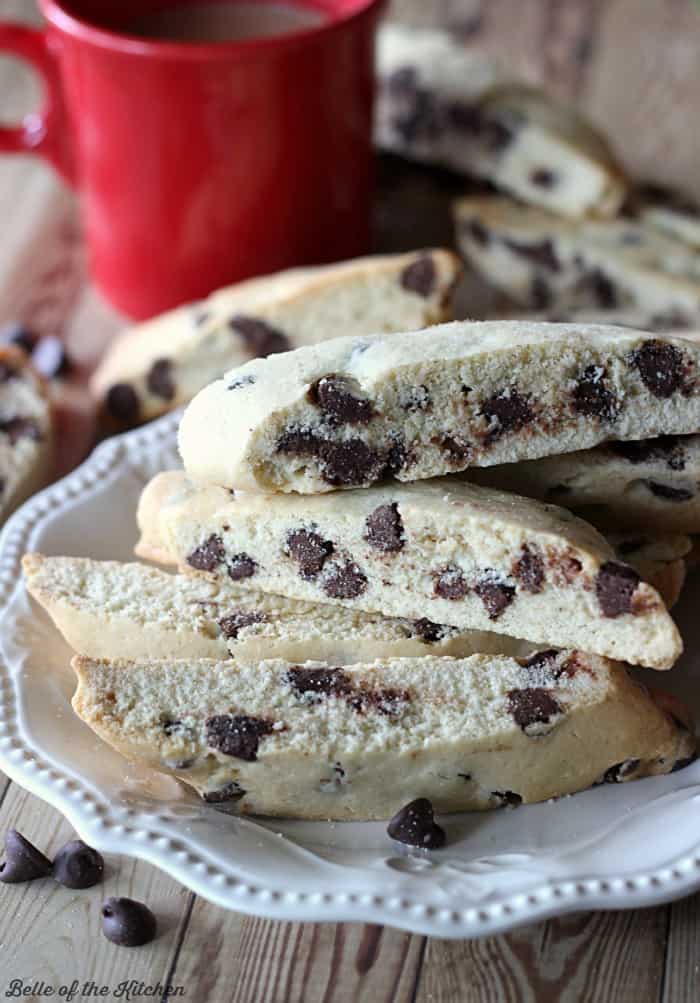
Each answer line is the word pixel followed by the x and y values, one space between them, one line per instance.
pixel 318 741
pixel 355 410
pixel 442 103
pixel 162 363
pixel 25 430
pixel 546 262
pixel 651 484
pixel 451 552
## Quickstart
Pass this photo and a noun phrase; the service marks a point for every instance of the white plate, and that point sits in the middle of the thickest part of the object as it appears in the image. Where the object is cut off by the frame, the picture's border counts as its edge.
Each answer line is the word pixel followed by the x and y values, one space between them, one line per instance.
pixel 615 846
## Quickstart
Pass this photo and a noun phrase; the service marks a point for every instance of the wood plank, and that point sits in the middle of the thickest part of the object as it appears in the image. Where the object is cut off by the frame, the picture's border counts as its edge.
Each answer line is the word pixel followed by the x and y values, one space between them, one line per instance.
pixel 279 962
pixel 53 933
pixel 682 971
pixel 584 958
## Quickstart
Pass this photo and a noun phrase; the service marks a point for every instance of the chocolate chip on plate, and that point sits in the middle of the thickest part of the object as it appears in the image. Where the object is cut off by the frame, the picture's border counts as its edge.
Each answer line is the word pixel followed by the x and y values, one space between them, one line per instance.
pixel 23 862
pixel 419 277
pixel 615 586
pixel 237 735
pixel 415 825
pixel 127 922
pixel 661 367
pixel 160 379
pixel 335 396
pixel 592 396
pixel 77 865
pixel 208 555
pixel 50 357
pixel 122 403
pixel 260 337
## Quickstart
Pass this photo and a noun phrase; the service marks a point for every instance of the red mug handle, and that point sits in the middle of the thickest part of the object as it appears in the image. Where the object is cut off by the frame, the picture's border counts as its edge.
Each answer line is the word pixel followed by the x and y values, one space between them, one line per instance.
pixel 44 131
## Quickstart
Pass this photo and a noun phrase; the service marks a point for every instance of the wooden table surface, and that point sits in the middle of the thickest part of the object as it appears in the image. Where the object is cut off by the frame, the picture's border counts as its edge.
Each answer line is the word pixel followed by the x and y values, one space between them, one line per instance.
pixel 50 934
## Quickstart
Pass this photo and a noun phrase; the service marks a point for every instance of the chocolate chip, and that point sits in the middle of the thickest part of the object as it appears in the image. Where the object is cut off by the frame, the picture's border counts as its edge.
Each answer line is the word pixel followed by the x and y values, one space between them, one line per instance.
pixel 458 450
pixel 77 865
pixel 230 625
pixel 241 566
pixel 420 276
pixel 50 358
pixel 592 397
pixel 620 771
pixel 350 463
pixel 127 922
pixel 450 583
pixel 430 632
pixel 615 586
pixel 540 293
pixel 232 791
pixel 540 253
pixel 661 367
pixel 309 550
pixel 170 726
pixel 319 683
pixel 598 286
pixel 20 336
pixel 299 442
pixel 23 862
pixel 260 338
pixel 390 702
pixel 397 457
pixel 384 529
pixel 344 581
pixel 543 177
pixel 237 735
pixel 208 555
pixel 507 798
pixel 477 231
pixel 669 493
pixel 496 596
pixel 532 707
pixel 666 447
pixel 123 404
pixel 416 399
pixel 507 411
pixel 160 379
pixel 20 428
pixel 540 659
pixel 241 381
pixel 421 120
pixel 529 569
pixel 415 825
pixel 333 395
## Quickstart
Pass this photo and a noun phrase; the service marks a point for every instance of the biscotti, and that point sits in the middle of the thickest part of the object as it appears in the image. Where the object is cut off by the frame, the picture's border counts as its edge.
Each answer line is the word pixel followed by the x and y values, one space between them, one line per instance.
pixel 25 430
pixel 317 741
pixel 549 263
pixel 441 103
pixel 450 551
pixel 355 410
pixel 162 363
pixel 650 484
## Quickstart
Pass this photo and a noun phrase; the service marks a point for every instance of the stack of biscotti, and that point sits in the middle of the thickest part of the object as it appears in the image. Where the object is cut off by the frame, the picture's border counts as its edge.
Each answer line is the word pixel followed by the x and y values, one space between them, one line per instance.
pixel 354 623
pixel 160 364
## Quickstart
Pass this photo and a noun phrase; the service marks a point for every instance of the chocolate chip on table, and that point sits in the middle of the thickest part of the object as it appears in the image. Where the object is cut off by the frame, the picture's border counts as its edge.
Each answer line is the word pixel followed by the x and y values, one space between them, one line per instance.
pixel 420 276
pixel 160 379
pixel 615 585
pixel 317 683
pixel 661 367
pixel 77 865
pixel 415 825
pixel 123 404
pixel 20 336
pixel 592 397
pixel 241 566
pixel 20 428
pixel 127 922
pixel 496 596
pixel 384 529
pixel 208 555
pixel 333 395
pixel 260 337
pixel 344 581
pixel 50 358
pixel 540 253
pixel 233 623
pixel 529 569
pixel 532 707
pixel 309 550
pixel 23 862
pixel 669 493
pixel 237 735
pixel 231 791
pixel 450 583
pixel 506 411
pixel 543 177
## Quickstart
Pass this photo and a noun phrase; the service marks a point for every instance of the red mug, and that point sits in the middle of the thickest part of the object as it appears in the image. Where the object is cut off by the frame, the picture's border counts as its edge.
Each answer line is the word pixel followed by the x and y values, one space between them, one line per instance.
pixel 199 164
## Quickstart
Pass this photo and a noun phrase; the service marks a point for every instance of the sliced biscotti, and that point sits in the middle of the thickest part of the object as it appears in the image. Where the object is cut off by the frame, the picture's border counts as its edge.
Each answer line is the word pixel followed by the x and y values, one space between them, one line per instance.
pixel 161 364
pixel 546 262
pixel 355 410
pixel 442 103
pixel 106 609
pixel 25 430
pixel 318 741
pixel 650 484
pixel 449 551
